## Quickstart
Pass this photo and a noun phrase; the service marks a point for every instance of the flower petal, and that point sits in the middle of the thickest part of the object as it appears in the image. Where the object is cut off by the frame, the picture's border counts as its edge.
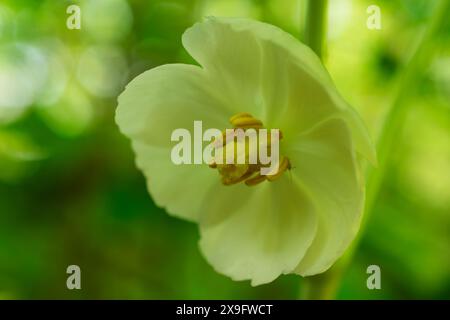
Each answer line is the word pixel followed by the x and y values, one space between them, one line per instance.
pixel 180 189
pixel 264 231
pixel 166 98
pixel 324 163
pixel 151 107
pixel 269 73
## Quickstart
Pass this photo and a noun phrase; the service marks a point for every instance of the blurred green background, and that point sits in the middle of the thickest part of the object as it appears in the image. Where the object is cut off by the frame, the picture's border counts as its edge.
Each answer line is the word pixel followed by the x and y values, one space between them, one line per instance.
pixel 70 192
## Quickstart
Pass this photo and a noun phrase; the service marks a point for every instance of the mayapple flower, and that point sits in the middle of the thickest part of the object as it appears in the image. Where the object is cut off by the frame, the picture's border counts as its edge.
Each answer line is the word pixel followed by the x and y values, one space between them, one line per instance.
pixel 299 219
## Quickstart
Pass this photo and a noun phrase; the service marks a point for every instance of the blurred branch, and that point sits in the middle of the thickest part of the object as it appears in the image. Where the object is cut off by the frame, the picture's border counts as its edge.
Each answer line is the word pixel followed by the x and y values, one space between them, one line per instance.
pixel 328 283
pixel 393 122
pixel 315 26
pixel 315 30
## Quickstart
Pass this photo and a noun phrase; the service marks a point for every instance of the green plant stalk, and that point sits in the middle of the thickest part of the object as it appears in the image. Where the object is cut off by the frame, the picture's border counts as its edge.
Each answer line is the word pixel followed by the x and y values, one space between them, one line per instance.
pixel 325 286
pixel 315 27
pixel 314 37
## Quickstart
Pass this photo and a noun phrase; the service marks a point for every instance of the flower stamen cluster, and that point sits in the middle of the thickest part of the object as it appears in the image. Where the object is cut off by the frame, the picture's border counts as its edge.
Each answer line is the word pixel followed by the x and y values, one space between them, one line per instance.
pixel 249 172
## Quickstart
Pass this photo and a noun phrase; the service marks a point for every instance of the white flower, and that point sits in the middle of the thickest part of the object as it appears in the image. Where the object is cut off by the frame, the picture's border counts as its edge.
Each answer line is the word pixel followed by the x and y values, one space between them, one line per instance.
pixel 302 221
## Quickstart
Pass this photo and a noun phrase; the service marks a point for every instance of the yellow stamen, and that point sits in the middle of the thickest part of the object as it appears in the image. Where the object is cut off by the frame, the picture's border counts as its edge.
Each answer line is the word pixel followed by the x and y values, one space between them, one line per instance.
pixel 213 165
pixel 255 180
pixel 284 165
pixel 247 122
pixel 240 115
pixel 247 173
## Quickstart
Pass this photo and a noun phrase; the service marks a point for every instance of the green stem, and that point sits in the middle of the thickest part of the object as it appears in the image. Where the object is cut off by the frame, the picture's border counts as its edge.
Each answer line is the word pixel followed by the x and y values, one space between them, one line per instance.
pixel 322 286
pixel 314 33
pixel 385 146
pixel 315 27
pixel 418 61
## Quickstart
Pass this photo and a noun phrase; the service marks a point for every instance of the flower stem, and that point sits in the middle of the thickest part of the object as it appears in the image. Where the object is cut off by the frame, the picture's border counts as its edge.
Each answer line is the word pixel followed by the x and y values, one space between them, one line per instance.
pixel 315 26
pixel 321 286
pixel 385 146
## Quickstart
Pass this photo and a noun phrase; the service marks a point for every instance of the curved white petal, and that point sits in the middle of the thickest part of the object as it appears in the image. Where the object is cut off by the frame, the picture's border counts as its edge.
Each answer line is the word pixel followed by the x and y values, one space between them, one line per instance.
pixel 262 231
pixel 267 72
pixel 180 189
pixel 151 107
pixel 166 98
pixel 324 163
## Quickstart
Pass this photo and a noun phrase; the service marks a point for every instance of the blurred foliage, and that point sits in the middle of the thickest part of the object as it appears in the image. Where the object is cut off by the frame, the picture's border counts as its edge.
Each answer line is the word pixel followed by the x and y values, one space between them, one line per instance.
pixel 70 192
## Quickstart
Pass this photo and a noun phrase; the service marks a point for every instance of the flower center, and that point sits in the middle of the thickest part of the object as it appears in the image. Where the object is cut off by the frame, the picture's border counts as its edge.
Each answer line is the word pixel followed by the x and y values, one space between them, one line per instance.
pixel 239 151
